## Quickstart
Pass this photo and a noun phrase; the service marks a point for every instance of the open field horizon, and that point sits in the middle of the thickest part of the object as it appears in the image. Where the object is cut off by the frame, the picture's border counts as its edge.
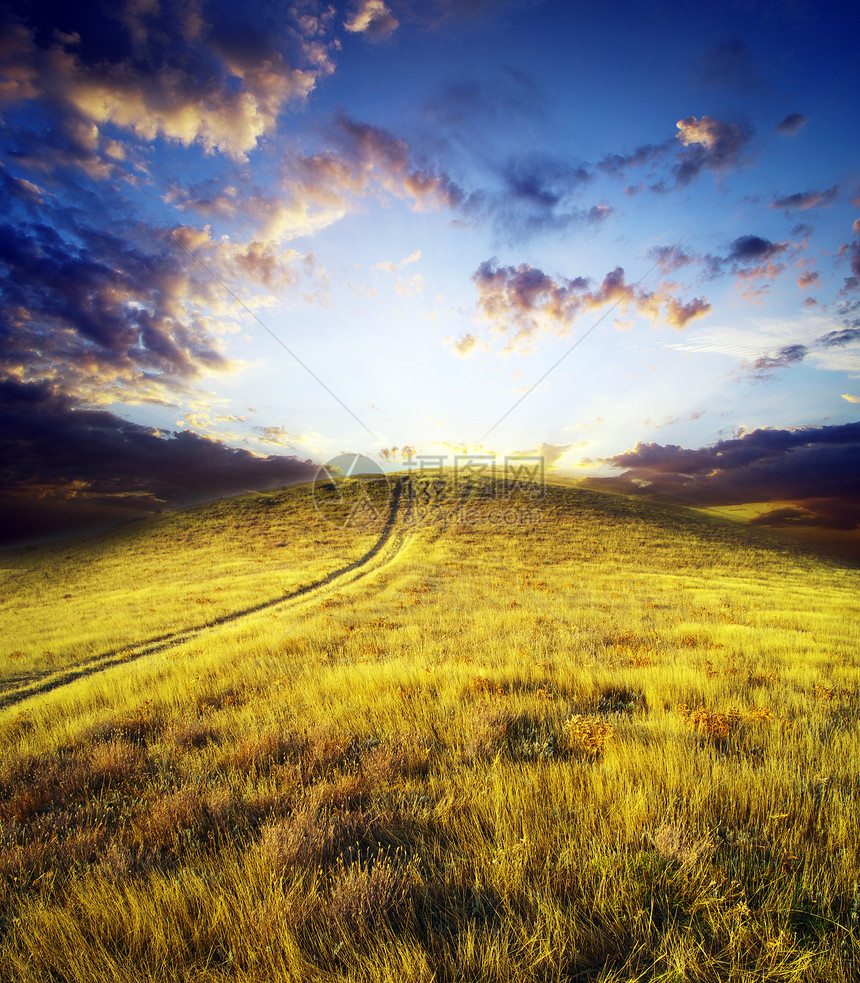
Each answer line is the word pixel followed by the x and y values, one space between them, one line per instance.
pixel 428 729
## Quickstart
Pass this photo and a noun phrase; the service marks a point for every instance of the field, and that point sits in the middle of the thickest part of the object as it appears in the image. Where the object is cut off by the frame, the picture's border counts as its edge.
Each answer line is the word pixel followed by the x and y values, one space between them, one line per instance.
pixel 470 735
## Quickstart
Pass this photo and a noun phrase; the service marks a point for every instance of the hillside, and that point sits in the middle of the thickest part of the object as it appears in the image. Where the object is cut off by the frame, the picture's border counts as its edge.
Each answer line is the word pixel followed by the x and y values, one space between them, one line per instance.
pixel 456 733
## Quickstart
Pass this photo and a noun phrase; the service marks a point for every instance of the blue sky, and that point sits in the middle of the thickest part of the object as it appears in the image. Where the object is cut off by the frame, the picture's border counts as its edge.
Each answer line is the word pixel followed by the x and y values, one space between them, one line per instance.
pixel 429 205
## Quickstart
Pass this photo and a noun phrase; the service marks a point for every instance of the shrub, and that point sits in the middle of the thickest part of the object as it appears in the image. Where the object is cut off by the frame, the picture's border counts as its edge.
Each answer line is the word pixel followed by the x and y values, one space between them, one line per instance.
pixel 587 736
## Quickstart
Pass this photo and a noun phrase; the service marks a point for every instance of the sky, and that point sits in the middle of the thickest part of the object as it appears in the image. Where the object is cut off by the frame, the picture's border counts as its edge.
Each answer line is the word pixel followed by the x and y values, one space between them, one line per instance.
pixel 238 240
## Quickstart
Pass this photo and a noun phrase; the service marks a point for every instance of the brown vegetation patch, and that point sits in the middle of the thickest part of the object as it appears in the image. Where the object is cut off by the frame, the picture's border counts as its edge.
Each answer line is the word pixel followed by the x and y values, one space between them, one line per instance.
pixel 136 727
pixel 192 734
pixel 262 751
pixel 315 836
pixel 366 895
pixel 619 700
pixel 40 783
pixel 488 727
pixel 115 762
pixel 209 702
pixel 172 817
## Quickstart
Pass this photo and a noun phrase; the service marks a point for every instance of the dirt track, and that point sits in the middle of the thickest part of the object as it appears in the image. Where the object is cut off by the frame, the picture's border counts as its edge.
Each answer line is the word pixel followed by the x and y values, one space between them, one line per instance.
pixel 391 540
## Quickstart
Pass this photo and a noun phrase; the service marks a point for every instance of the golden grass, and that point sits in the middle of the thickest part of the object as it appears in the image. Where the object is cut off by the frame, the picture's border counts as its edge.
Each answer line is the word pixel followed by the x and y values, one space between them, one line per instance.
pixel 617 744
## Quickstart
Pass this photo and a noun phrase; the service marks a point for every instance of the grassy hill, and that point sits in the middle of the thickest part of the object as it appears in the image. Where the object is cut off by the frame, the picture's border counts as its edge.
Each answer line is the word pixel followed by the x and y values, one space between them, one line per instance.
pixel 437 732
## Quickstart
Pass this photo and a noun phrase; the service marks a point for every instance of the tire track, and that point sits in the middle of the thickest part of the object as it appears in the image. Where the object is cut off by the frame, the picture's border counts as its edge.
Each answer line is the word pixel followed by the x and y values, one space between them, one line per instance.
pixel 391 540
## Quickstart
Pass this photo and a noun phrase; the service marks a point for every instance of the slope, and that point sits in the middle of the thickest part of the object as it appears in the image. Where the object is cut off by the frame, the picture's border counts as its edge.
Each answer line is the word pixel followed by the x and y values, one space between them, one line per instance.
pixel 568 737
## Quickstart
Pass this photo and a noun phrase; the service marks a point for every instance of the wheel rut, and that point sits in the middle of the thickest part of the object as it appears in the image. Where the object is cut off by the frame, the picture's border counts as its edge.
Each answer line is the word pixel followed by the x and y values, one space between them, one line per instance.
pixel 391 540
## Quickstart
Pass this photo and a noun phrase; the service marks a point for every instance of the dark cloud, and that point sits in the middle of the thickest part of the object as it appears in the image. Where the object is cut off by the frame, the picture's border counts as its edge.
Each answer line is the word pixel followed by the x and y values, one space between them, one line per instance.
pixel 671 259
pixel 790 355
pixel 476 106
pixel 753 249
pixel 708 144
pixel 106 316
pixel 542 181
pixel 786 356
pixel 63 455
pixel 728 65
pixel 840 338
pixel 817 512
pixel 521 194
pixel 816 466
pixel 852 251
pixel 804 200
pixel 752 259
pixel 617 165
pixel 792 124
pixel 433 13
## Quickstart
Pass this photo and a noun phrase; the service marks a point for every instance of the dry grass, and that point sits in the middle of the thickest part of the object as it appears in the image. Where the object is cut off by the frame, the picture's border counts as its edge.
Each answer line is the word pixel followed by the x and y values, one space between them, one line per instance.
pixel 618 745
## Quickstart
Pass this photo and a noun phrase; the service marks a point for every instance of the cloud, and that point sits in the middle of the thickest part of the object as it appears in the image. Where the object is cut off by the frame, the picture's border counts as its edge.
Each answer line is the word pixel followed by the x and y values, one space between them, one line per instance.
pixel 551 453
pixel 316 190
pixel 815 512
pixel 804 200
pixel 678 314
pixel 707 144
pixel 807 279
pixel 433 13
pixel 754 249
pixel 792 124
pixel 374 19
pixel 711 144
pixel 522 194
pixel 389 266
pixel 262 262
pixel 106 317
pixel 522 302
pixel 472 106
pixel 617 165
pixel 52 450
pixel 817 468
pixel 786 356
pixel 166 71
pixel 762 345
pixel 131 318
pixel 542 180
pixel 851 399
pixel 279 436
pixel 852 251
pixel 464 345
pixel 371 156
pixel 404 453
pixel 840 338
pixel 407 286
pixel 670 259
pixel 751 259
